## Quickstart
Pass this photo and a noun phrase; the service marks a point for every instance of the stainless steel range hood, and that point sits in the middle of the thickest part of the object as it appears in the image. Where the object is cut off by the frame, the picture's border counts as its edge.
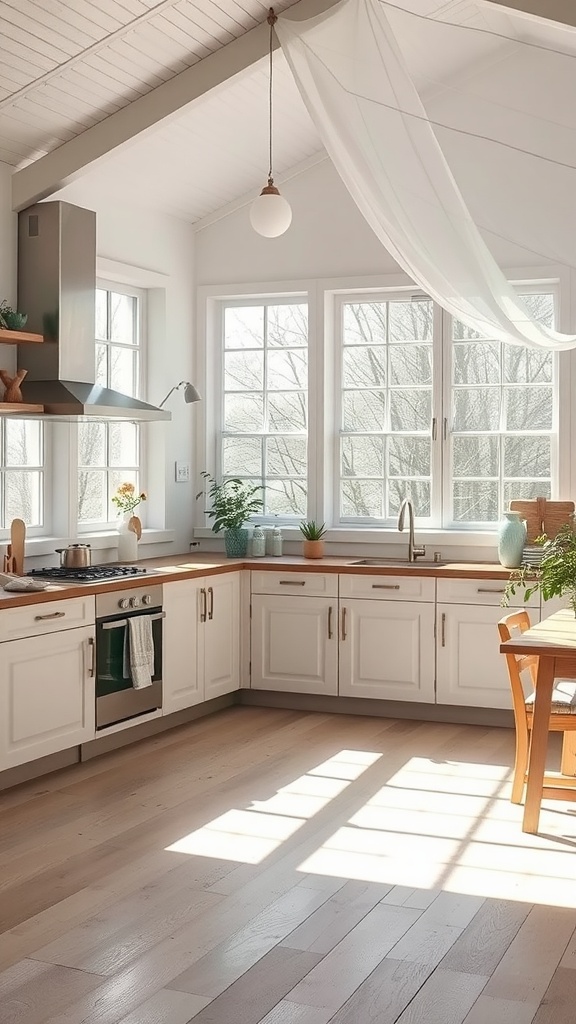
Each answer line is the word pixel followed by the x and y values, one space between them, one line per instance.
pixel 57 288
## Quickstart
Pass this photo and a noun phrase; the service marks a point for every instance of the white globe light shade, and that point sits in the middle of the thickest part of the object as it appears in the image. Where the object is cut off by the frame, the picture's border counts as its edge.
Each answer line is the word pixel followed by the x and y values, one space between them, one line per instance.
pixel 270 214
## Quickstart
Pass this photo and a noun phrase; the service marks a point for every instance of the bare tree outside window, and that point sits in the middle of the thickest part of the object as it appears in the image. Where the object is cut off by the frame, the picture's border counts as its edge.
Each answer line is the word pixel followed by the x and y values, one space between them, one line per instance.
pixel 386 407
pixel 502 420
pixel 21 471
pixel 109 453
pixel 264 439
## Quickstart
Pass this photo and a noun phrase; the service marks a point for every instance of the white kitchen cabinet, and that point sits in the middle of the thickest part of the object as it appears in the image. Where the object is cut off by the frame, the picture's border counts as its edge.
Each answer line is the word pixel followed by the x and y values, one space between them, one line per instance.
pixel 47 698
pixel 387 650
pixel 219 635
pixel 381 647
pixel 183 684
pixel 295 644
pixel 469 667
pixel 201 640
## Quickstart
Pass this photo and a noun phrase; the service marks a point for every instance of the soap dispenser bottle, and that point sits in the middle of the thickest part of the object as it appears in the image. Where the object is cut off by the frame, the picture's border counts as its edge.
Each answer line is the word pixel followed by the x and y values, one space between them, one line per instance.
pixel 258 543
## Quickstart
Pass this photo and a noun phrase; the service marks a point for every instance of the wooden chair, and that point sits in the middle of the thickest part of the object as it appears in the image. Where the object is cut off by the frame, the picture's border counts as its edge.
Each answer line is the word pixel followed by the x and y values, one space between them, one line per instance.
pixel 562 716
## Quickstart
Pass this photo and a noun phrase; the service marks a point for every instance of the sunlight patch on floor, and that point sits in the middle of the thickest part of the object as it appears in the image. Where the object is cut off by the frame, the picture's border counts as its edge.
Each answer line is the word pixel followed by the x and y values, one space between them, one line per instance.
pixel 451 825
pixel 251 834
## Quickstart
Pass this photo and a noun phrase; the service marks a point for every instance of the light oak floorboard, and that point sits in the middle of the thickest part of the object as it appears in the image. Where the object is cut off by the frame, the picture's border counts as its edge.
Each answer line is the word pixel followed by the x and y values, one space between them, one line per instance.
pixel 275 867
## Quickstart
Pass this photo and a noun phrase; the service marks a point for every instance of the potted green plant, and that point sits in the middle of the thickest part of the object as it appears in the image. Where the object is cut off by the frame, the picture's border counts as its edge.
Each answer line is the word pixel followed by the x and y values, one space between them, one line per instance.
pixel 232 502
pixel 555 576
pixel 10 319
pixel 313 546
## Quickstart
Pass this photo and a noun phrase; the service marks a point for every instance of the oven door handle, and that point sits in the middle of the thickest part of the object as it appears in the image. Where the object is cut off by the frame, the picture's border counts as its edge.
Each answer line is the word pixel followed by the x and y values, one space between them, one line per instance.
pixel 117 623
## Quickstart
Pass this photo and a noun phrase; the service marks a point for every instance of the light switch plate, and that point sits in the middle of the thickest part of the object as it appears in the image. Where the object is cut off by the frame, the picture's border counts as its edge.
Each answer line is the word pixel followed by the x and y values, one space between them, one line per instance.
pixel 182 472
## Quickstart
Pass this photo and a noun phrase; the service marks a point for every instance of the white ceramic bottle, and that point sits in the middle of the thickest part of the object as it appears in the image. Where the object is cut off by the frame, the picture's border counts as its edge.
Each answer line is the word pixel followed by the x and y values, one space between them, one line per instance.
pixel 258 543
pixel 277 542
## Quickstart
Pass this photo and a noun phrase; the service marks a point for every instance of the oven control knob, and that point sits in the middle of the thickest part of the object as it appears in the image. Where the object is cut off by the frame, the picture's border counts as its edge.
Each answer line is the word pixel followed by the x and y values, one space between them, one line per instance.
pixel 134 602
pixel 147 599
pixel 124 603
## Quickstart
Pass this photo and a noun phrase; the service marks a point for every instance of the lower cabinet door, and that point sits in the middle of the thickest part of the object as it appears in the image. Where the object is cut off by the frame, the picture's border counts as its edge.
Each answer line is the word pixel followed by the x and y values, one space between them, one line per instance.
pixel 183 685
pixel 47 695
pixel 470 668
pixel 295 644
pixel 219 635
pixel 387 650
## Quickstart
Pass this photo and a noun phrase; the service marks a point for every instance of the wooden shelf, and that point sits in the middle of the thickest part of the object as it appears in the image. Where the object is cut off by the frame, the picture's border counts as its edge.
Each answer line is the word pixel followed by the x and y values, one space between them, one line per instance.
pixel 14 408
pixel 15 337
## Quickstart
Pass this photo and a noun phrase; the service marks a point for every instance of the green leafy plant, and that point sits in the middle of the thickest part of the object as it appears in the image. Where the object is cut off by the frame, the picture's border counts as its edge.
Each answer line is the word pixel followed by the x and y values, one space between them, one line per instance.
pixel 556 574
pixel 311 530
pixel 231 503
pixel 10 319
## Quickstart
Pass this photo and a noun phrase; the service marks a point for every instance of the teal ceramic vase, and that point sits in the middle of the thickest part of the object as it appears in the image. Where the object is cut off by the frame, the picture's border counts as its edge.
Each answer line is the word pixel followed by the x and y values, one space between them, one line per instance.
pixel 511 540
pixel 236 542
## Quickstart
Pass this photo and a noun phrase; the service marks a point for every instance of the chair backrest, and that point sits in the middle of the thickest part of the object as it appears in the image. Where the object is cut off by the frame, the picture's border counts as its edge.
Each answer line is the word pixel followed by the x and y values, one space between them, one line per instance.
pixel 517 663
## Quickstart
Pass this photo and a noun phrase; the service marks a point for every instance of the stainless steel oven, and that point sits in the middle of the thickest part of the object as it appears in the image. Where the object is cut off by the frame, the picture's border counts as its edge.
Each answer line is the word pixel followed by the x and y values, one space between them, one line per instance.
pixel 116 698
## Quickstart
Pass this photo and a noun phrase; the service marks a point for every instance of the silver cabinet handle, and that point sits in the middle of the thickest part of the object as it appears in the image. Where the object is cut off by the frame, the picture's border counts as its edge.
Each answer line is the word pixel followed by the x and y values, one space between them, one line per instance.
pixel 211 611
pixel 343 623
pixel 203 605
pixel 53 615
pixel 330 632
pixel 491 590
pixel 292 583
pixel 92 646
pixel 385 586
pixel 443 634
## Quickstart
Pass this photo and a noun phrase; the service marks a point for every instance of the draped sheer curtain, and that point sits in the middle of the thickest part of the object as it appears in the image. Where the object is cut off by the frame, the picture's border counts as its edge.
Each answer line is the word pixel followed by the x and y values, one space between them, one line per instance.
pixel 447 136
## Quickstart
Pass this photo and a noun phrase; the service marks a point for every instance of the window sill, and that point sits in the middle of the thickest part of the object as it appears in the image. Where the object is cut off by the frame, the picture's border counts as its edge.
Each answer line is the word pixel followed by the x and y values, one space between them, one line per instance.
pixel 102 540
pixel 348 535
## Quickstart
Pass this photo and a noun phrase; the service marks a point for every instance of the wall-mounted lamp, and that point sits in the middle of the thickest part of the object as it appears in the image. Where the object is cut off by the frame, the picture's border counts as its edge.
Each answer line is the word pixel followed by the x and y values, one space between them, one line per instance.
pixel 270 213
pixel 190 393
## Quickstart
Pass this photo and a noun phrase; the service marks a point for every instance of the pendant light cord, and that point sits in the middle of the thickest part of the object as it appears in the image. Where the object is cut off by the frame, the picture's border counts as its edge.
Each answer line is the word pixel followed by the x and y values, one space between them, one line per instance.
pixel 271 19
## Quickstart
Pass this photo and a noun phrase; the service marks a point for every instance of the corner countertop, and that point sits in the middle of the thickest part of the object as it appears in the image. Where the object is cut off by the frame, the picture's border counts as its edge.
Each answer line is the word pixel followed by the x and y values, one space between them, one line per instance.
pixel 182 567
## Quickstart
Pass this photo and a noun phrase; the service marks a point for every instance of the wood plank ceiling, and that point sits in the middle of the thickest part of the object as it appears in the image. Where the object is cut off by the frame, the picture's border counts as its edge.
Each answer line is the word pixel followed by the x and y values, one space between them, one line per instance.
pixel 70 64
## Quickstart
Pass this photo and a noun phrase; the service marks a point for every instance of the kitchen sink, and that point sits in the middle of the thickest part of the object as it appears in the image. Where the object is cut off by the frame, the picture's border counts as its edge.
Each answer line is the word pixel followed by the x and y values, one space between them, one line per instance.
pixel 395 561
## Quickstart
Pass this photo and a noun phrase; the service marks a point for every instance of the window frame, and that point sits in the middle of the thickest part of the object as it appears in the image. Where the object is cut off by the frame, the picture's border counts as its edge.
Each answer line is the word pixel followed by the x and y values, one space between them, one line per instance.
pixel 323 454
pixel 44 470
pixel 84 527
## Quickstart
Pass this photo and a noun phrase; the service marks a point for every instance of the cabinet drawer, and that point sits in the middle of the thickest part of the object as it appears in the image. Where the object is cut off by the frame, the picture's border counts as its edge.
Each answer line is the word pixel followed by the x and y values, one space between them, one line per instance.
pixel 481 592
pixel 48 617
pixel 388 588
pixel 308 584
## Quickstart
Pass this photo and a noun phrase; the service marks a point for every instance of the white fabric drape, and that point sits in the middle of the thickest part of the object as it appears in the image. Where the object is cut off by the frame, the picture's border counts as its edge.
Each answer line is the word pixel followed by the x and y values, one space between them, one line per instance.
pixel 355 82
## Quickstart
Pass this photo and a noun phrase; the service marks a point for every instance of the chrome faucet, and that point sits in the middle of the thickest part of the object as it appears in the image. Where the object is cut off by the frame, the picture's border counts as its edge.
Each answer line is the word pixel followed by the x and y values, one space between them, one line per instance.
pixel 413 551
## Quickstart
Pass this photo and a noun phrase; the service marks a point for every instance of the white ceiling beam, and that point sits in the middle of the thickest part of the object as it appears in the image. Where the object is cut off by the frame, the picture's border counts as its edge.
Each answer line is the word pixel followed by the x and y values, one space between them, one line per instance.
pixel 52 172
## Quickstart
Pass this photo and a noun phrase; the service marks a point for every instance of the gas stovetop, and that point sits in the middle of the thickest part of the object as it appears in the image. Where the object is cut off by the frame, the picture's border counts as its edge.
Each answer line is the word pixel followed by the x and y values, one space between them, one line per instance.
pixel 90 573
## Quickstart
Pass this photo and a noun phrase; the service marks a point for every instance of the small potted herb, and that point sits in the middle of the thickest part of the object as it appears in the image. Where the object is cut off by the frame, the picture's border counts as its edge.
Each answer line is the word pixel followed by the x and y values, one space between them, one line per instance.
pixel 232 502
pixel 10 319
pixel 313 546
pixel 556 574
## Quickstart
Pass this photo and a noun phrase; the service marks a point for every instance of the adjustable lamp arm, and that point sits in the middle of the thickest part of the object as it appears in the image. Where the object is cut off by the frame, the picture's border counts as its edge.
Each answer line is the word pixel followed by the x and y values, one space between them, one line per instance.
pixel 190 392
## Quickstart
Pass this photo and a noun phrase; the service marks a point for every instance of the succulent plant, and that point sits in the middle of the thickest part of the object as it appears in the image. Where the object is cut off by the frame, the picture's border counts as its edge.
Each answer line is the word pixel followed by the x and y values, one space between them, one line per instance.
pixel 10 319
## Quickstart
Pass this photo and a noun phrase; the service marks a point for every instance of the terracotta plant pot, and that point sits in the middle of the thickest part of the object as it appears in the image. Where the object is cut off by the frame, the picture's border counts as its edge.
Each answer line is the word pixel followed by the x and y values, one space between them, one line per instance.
pixel 313 548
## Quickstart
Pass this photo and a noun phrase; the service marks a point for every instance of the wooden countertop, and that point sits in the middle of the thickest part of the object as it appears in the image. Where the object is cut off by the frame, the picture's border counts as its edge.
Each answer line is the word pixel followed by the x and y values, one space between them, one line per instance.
pixel 181 567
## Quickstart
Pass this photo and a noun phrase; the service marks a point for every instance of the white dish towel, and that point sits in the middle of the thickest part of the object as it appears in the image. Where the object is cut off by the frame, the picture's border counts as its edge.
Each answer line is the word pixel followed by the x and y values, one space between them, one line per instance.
pixel 139 651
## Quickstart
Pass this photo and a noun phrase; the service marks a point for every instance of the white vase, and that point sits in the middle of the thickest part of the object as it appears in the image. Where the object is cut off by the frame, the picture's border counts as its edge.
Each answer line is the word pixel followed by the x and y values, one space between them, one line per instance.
pixel 127 541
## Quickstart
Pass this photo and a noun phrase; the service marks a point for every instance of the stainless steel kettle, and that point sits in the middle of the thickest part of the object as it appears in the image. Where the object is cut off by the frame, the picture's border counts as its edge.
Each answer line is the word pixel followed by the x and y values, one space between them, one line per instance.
pixel 75 556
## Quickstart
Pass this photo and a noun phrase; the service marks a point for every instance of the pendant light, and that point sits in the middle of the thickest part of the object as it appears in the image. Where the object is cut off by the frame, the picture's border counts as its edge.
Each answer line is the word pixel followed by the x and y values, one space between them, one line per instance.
pixel 270 213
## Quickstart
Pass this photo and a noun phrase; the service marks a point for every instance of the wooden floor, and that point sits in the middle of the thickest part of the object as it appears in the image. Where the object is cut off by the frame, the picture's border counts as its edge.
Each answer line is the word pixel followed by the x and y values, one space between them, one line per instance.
pixel 277 867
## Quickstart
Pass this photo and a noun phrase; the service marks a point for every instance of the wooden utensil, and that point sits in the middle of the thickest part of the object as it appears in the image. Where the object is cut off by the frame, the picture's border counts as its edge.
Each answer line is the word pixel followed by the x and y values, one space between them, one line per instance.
pixel 135 524
pixel 17 539
pixel 8 563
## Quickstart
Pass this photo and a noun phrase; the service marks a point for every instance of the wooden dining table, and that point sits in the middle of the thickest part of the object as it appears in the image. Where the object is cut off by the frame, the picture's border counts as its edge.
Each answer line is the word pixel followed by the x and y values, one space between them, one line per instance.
pixel 553 640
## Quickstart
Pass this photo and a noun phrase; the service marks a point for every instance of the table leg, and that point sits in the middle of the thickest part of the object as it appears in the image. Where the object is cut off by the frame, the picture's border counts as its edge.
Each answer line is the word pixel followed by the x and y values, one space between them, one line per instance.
pixel 538 743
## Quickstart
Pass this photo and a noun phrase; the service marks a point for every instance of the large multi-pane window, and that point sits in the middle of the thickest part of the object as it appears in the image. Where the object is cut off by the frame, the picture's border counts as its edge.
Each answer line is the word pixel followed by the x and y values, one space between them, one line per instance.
pixel 502 423
pixel 109 453
pixel 22 471
pixel 386 407
pixel 264 438
pixel 411 405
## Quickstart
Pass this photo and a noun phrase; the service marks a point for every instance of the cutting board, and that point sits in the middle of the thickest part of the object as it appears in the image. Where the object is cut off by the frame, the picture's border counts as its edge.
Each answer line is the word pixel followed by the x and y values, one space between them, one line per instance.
pixel 543 516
